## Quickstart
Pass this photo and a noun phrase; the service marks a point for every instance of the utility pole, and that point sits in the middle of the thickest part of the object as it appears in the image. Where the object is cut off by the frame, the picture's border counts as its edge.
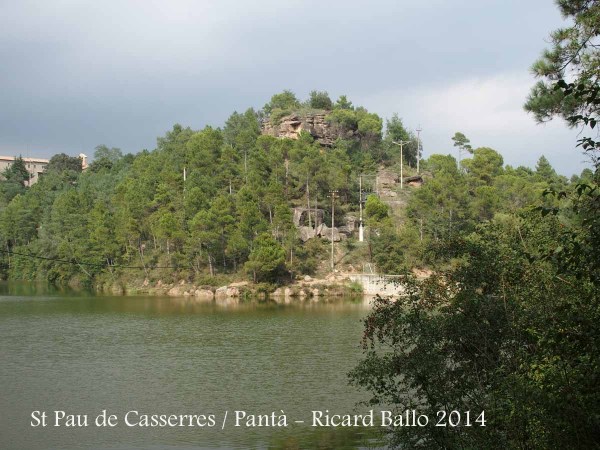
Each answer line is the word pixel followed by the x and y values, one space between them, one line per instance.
pixel 418 147
pixel 246 164
pixel 401 144
pixel 361 228
pixel 184 180
pixel 333 195
pixel 361 231
pixel 308 202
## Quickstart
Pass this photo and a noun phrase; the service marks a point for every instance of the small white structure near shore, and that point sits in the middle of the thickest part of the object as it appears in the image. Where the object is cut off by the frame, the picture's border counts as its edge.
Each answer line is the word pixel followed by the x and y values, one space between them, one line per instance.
pixel 374 284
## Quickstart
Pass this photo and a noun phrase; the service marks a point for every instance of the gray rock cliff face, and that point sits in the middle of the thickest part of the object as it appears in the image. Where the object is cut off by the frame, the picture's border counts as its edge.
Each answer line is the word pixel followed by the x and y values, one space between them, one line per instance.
pixel 320 129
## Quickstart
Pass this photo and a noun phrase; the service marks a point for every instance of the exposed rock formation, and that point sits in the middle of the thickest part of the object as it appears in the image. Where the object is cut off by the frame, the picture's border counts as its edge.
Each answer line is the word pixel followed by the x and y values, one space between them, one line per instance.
pixel 306 233
pixel 300 215
pixel 227 295
pixel 314 123
pixel 415 181
pixel 324 232
pixel 387 180
pixel 351 223
pixel 204 295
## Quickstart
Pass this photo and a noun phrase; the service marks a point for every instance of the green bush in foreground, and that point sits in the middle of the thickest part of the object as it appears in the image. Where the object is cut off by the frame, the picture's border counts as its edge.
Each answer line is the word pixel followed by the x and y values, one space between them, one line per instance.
pixel 508 332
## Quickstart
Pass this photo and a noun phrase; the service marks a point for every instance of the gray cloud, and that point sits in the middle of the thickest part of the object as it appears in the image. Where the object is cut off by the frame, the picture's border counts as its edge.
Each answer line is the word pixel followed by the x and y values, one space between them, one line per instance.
pixel 79 73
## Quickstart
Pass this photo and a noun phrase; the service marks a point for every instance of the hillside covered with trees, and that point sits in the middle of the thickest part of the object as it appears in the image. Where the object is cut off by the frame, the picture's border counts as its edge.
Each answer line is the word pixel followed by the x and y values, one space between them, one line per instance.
pixel 215 205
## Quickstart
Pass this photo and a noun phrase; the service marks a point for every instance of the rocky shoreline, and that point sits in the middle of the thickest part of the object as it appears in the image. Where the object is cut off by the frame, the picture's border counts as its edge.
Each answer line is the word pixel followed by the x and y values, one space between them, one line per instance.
pixel 306 289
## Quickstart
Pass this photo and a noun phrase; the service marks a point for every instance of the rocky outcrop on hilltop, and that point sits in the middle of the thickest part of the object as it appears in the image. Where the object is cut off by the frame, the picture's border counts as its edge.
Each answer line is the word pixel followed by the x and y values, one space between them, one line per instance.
pixel 315 123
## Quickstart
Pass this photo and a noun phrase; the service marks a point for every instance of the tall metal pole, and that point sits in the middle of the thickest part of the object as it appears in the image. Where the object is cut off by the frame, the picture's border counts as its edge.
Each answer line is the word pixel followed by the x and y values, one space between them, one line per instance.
pixel 308 202
pixel 401 144
pixel 361 231
pixel 332 224
pixel 184 180
pixel 332 195
pixel 418 147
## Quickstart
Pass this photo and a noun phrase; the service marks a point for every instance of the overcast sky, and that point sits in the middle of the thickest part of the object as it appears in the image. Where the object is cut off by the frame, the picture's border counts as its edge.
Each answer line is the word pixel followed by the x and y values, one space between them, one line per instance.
pixel 76 74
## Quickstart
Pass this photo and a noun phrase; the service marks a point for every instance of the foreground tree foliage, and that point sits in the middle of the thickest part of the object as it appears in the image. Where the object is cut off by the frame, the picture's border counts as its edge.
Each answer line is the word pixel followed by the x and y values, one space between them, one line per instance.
pixel 573 54
pixel 511 325
pixel 15 178
pixel 508 331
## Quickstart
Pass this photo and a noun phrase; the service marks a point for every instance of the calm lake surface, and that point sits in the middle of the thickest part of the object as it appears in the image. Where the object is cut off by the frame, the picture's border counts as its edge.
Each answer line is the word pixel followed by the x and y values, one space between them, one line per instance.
pixel 84 353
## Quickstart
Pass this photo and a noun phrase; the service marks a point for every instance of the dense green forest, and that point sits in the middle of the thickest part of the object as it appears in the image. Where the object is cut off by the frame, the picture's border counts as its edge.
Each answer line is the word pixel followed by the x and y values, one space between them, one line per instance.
pixel 216 204
pixel 218 201
pixel 511 326
pixel 203 203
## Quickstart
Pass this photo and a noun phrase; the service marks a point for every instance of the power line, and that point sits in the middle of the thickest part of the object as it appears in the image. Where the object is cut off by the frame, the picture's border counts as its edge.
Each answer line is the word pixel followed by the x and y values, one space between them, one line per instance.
pixel 333 195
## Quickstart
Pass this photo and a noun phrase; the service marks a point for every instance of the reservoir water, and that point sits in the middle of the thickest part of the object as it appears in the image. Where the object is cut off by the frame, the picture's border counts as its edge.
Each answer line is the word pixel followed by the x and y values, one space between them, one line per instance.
pixel 83 354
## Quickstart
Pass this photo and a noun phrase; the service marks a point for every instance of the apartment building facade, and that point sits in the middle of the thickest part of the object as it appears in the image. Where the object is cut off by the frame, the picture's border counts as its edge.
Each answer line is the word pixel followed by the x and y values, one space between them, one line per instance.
pixel 35 166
